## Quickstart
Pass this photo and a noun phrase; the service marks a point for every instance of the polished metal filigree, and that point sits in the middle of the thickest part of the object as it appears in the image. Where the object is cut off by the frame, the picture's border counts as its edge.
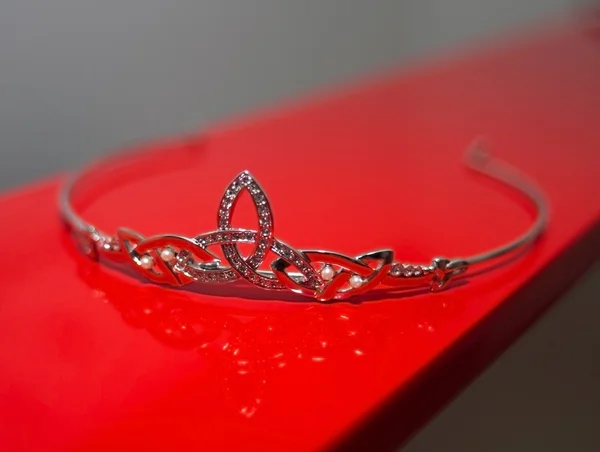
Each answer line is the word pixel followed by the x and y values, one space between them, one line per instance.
pixel 322 275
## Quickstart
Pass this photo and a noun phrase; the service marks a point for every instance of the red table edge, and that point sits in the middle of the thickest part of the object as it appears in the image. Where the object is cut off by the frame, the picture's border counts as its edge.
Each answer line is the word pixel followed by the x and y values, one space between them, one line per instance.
pixel 417 402
pixel 402 415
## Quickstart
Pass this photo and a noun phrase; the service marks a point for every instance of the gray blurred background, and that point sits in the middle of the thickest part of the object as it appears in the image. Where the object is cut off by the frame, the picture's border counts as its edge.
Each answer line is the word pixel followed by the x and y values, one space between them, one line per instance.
pixel 78 78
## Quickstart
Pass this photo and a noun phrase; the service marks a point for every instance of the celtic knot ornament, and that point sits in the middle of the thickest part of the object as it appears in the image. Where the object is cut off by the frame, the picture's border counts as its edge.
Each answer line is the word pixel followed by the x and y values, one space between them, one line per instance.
pixel 322 275
pixel 163 258
pixel 444 270
pixel 342 276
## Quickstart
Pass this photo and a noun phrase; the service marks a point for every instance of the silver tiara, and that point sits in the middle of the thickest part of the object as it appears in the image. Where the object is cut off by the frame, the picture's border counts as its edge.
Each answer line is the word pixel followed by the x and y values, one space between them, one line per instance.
pixel 176 260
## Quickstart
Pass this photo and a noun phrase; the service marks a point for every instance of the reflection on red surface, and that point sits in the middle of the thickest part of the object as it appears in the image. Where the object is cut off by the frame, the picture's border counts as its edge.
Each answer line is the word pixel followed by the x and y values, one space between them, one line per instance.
pixel 93 359
pixel 249 346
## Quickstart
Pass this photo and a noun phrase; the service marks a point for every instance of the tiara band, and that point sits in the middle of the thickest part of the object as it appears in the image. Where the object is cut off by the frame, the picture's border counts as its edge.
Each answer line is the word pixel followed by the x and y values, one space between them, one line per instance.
pixel 176 260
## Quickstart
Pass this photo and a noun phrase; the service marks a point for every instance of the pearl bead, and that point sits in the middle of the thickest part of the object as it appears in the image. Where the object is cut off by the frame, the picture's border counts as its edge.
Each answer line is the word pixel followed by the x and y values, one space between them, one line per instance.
pixel 167 254
pixel 355 281
pixel 146 261
pixel 327 273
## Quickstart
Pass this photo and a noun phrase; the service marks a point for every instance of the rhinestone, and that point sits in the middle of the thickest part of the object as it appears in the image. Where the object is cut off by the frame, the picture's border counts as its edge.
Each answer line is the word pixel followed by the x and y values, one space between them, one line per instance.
pixel 314 283
pixel 396 270
pixel 184 256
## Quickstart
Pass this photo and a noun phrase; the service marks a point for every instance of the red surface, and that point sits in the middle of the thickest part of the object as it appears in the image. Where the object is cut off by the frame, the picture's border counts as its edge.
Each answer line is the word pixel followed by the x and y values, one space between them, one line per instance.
pixel 92 360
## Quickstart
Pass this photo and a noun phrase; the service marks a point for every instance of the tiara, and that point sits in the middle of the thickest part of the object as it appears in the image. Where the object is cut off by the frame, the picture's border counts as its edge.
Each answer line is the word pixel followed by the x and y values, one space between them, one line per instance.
pixel 177 260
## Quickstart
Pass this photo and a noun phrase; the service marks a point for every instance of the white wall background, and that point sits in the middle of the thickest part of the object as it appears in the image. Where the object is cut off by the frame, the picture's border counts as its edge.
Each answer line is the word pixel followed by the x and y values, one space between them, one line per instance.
pixel 78 77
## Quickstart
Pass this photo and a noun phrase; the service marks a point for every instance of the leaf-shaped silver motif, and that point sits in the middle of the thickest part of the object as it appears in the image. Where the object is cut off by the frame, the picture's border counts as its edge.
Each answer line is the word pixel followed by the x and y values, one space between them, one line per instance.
pixel 263 239
pixel 336 288
pixel 161 271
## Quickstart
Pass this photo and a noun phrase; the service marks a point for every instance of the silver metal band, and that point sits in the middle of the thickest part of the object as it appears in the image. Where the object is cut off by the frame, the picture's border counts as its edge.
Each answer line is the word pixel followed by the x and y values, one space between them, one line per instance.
pixel 323 275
